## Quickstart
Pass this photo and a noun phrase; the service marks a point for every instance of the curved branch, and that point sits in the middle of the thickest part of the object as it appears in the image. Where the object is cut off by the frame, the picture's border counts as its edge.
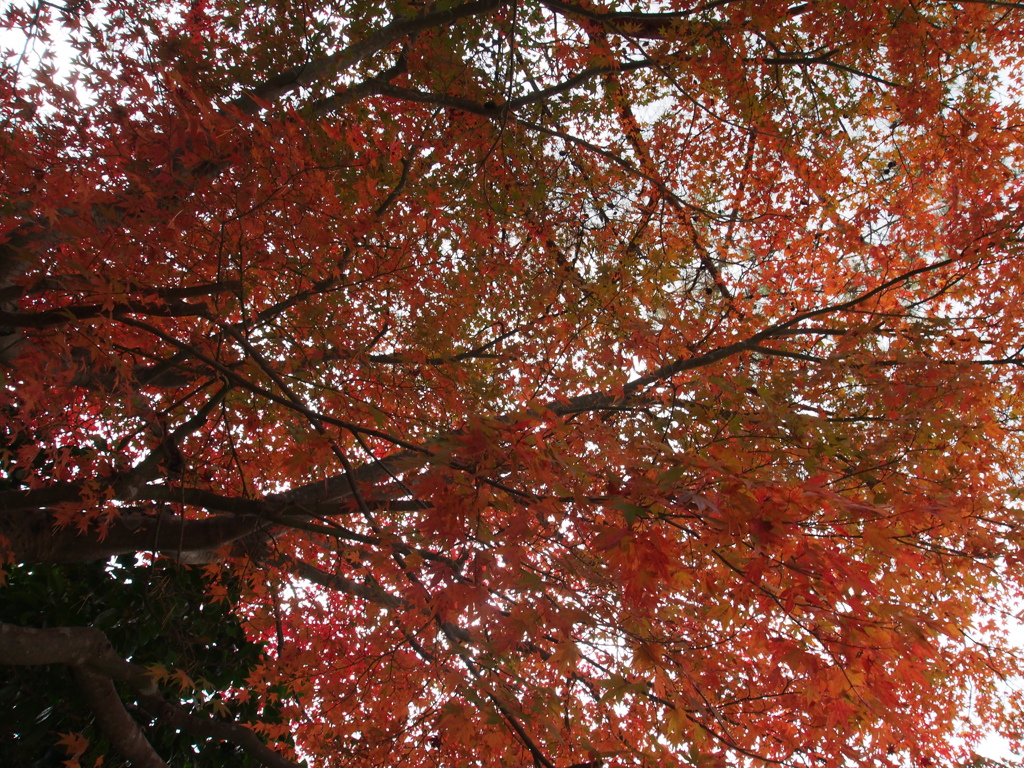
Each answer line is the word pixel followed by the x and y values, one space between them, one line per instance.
pixel 256 389
pixel 113 719
pixel 382 86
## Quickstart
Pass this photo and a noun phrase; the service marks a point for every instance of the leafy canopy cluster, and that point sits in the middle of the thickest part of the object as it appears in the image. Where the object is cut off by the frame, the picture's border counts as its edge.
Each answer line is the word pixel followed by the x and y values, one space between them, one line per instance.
pixel 560 382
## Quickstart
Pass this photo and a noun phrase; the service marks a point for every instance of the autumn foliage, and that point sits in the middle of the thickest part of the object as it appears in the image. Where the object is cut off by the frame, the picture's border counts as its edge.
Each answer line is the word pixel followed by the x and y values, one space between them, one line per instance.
pixel 555 383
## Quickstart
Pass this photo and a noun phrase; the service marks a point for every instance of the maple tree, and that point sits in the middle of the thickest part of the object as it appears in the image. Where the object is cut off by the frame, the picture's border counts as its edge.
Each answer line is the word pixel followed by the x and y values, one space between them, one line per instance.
pixel 540 382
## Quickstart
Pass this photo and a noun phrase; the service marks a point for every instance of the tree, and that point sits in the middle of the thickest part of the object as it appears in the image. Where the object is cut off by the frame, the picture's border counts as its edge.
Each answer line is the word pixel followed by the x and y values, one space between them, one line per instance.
pixel 565 383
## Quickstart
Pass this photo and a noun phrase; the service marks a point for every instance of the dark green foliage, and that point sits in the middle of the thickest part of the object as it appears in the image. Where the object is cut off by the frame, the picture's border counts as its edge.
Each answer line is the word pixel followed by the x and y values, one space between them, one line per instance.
pixel 153 614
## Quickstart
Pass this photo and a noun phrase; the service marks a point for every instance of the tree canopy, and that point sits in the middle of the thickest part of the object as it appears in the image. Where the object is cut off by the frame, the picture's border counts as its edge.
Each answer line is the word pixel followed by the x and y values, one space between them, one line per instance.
pixel 510 382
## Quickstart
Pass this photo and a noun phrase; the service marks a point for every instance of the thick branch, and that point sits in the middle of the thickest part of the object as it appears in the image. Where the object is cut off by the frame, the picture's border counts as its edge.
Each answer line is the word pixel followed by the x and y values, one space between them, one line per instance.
pixel 113 719
pixel 32 538
pixel 48 286
pixel 57 493
pixel 313 497
pixel 53 317
pixel 74 646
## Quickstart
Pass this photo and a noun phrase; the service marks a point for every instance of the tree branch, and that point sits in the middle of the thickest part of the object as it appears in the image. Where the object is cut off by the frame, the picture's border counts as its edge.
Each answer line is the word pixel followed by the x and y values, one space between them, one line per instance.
pixel 321 69
pixel 74 646
pixel 208 728
pixel 113 719
pixel 632 24
pixel 31 536
pixel 369 592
